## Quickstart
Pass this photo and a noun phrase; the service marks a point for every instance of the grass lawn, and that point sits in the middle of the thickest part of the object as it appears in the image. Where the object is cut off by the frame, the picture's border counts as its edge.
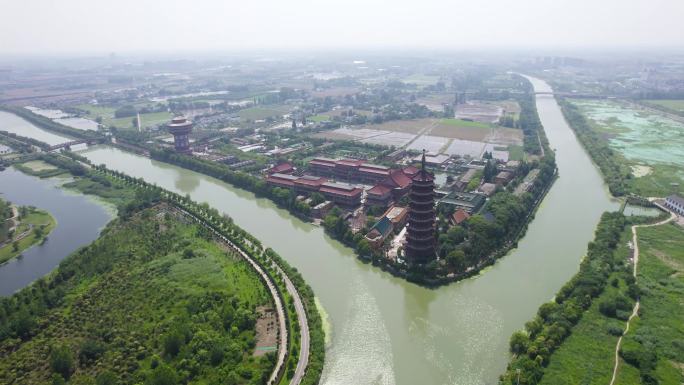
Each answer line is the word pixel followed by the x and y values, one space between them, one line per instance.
pixel 37 218
pixel 39 168
pixel 516 152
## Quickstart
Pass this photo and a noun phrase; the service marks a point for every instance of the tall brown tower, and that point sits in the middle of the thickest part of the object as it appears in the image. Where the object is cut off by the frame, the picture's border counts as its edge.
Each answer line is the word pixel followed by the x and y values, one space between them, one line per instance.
pixel 180 128
pixel 420 246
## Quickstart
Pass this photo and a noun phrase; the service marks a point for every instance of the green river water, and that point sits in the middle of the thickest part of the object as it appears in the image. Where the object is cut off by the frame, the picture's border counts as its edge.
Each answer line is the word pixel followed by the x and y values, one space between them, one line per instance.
pixel 387 331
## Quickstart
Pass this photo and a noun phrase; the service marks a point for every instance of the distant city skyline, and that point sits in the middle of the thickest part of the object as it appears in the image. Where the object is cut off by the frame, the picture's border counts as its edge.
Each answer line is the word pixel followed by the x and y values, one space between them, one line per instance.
pixel 81 26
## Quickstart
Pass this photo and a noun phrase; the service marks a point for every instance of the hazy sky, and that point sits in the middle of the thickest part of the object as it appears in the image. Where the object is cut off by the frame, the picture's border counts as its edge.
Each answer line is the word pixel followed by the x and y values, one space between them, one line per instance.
pixel 72 26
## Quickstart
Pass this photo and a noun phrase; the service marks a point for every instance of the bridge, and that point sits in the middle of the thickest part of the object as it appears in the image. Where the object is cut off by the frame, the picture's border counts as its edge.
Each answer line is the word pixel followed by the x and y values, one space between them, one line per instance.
pixel 575 95
pixel 73 143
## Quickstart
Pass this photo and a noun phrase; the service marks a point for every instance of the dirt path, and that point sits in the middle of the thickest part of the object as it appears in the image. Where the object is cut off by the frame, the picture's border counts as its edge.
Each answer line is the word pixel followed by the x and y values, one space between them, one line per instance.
pixel 635 311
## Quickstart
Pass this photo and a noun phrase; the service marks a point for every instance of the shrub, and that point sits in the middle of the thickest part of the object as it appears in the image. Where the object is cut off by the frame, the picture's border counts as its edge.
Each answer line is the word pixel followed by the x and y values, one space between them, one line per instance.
pixel 61 361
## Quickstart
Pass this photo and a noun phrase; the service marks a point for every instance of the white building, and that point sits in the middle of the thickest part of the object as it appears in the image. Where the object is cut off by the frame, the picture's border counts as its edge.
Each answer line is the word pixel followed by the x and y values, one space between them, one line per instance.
pixel 675 203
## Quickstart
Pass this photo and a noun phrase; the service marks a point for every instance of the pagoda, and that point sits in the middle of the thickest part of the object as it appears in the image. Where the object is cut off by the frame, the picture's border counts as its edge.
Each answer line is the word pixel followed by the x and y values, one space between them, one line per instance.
pixel 420 245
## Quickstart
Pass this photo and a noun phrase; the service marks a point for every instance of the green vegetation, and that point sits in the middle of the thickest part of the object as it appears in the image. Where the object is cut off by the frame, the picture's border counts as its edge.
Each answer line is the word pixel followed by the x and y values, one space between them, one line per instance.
pixel 535 348
pixel 134 304
pixel 516 152
pixel 614 168
pixel 654 346
pixel 674 106
pixel 34 227
pixel 5 222
pixel 587 355
pixel 39 168
pixel 465 123
pixel 122 117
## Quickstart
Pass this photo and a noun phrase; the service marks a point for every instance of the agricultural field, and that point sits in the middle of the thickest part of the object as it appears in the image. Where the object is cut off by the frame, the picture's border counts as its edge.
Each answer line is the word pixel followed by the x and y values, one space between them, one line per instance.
pixel 151 301
pixel 148 120
pixel 651 144
pixel 676 106
pixel 259 113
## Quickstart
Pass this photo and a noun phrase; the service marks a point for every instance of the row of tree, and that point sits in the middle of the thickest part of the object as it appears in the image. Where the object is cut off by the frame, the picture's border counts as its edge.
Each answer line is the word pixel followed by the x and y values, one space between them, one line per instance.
pixel 614 170
pixel 555 320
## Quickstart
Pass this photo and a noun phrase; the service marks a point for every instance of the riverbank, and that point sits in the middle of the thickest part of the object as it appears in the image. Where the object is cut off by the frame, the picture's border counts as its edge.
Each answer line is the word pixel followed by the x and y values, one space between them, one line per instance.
pixel 308 366
pixel 30 226
pixel 386 330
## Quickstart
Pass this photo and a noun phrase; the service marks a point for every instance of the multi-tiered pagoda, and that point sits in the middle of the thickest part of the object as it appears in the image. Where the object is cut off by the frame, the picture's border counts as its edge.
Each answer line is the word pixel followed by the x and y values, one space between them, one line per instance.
pixel 420 245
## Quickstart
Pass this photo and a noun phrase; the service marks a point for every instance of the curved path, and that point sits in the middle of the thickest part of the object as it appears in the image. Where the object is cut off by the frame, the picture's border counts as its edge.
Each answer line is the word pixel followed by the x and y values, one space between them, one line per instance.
pixel 635 311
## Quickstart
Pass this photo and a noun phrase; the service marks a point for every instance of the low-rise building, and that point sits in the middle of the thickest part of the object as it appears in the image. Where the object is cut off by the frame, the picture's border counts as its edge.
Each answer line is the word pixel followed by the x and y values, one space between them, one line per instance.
pixel 488 189
pixel 341 193
pixel 379 232
pixel 675 203
pixel 459 216
pixel 397 215
pixel 281 180
pixel 309 183
pixel 503 178
pixel 321 209
pixel 469 202
pixel 282 168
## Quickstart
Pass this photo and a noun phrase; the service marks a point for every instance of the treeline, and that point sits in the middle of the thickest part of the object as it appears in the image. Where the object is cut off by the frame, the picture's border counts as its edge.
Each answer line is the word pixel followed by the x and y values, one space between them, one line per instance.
pixel 533 347
pixel 531 126
pixel 49 124
pixel 284 197
pixel 614 171
pixel 21 143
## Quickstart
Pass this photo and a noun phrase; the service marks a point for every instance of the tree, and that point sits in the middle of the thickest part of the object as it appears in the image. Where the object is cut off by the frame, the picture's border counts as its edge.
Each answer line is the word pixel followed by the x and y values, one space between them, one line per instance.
pixel 61 361
pixel 163 375
pixel 519 342
pixel 456 259
pixel 106 378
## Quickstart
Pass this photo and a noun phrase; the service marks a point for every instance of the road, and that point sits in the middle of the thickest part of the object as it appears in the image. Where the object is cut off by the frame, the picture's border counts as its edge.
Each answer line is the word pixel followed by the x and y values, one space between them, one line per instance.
pixel 635 311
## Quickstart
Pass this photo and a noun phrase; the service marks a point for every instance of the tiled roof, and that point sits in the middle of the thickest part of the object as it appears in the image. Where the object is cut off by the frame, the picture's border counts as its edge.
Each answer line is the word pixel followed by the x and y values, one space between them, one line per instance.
pixel 459 216
pixel 379 189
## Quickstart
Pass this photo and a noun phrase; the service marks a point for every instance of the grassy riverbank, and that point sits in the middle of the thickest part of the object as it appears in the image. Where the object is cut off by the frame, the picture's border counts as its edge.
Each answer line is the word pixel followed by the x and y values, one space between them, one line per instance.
pixel 556 322
pixel 34 227
pixel 130 195
pixel 151 298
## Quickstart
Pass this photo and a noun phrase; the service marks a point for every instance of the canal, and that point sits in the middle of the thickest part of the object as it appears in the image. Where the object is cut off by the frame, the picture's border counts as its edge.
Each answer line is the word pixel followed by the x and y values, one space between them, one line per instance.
pixel 388 331
pixel 79 221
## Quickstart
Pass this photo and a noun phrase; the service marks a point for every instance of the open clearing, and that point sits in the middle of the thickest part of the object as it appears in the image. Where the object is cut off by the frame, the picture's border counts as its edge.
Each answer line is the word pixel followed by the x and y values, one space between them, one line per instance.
pixel 39 165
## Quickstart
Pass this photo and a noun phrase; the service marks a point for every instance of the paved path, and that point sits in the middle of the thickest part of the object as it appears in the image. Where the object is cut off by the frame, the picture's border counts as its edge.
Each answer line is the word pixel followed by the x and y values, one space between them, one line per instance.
pixel 635 311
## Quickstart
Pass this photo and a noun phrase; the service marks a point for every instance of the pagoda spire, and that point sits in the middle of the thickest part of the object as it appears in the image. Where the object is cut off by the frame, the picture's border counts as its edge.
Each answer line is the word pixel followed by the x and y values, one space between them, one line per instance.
pixel 422 162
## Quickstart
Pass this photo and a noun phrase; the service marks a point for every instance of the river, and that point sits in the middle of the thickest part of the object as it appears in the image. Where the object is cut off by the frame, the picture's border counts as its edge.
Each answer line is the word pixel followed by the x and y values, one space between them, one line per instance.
pixel 388 331
pixel 79 221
